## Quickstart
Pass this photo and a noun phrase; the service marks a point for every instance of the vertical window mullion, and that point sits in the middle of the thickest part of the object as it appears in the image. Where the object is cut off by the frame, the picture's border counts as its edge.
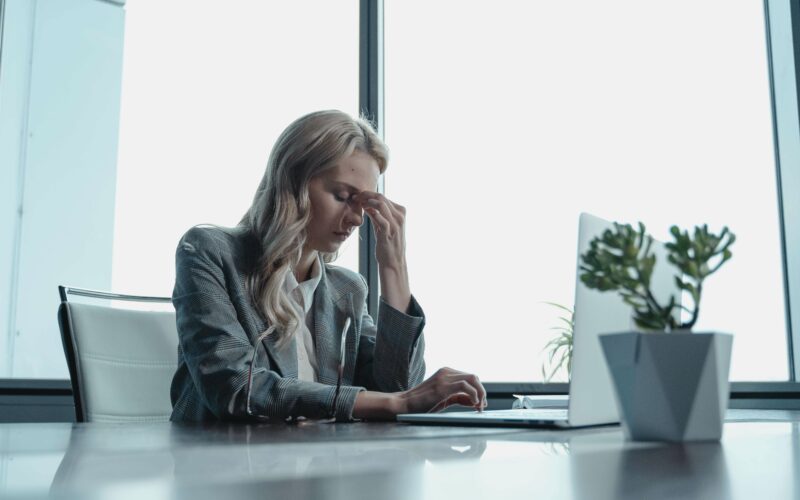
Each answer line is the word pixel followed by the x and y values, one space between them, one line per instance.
pixel 371 106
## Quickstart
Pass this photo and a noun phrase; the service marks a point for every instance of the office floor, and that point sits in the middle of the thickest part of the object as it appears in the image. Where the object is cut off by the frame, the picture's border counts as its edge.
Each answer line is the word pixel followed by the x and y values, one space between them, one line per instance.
pixel 758 456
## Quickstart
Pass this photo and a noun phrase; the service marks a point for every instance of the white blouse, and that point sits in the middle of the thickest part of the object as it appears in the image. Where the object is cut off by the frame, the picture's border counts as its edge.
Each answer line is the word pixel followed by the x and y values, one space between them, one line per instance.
pixel 303 296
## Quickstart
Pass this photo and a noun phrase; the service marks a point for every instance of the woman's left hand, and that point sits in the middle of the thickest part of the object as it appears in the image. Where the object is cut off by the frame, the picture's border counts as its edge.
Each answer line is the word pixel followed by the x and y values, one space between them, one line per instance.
pixel 388 218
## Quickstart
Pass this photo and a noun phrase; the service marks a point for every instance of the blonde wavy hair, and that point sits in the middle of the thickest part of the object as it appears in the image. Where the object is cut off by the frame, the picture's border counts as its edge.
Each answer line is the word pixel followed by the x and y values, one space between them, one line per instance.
pixel 281 208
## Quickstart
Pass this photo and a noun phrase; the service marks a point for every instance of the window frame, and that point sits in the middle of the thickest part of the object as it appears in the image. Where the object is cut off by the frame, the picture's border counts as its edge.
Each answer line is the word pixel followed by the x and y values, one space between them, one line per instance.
pixel 370 102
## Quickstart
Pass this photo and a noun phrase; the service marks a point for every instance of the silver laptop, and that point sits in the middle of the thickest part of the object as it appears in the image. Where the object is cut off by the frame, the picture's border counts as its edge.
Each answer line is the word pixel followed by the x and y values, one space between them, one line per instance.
pixel 591 397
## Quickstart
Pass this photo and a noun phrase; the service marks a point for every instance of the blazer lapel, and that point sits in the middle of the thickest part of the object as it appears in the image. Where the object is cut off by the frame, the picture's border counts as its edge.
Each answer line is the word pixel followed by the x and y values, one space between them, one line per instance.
pixel 330 312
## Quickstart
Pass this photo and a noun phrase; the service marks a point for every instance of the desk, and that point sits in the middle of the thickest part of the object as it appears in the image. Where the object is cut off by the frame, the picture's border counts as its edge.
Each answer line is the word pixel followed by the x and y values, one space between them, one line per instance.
pixel 758 457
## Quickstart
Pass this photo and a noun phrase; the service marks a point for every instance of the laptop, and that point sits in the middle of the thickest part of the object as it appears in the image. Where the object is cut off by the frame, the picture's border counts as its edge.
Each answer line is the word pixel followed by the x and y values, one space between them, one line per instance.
pixel 591 397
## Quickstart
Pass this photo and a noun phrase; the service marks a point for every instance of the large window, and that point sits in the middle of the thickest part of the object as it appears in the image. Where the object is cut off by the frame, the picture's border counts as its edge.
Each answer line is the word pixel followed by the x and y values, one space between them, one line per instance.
pixel 206 88
pixel 123 125
pixel 507 120
pixel 201 111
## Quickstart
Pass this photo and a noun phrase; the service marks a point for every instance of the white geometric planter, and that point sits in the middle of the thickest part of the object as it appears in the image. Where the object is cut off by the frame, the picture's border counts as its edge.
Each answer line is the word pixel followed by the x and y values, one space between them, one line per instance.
pixel 670 386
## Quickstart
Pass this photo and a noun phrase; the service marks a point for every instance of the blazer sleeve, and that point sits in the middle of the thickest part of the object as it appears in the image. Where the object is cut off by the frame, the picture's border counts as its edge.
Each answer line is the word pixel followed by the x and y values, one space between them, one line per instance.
pixel 391 353
pixel 217 350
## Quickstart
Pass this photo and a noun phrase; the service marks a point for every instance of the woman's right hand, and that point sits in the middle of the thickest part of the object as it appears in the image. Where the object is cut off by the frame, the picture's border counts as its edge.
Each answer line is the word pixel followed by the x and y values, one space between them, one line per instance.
pixel 444 388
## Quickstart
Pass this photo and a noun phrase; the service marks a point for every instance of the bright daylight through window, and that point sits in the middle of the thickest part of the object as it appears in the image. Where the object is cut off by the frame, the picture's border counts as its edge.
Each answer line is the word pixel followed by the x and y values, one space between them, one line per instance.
pixel 532 112
pixel 504 121
pixel 194 140
pixel 205 90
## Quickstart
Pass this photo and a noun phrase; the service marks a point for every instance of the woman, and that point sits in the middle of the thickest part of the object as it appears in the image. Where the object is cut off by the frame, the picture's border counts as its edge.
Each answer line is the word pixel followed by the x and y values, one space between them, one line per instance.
pixel 260 311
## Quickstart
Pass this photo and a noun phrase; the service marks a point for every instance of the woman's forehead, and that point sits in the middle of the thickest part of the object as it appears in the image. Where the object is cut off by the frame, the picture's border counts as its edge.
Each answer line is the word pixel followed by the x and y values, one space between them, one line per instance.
pixel 358 171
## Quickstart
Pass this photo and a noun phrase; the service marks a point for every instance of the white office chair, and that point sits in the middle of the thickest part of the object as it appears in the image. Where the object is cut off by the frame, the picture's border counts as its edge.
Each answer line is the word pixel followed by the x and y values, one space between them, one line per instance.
pixel 121 361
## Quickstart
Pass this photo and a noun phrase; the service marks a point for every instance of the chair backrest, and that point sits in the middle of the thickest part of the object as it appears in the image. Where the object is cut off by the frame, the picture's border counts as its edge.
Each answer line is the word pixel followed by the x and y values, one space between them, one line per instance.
pixel 121 361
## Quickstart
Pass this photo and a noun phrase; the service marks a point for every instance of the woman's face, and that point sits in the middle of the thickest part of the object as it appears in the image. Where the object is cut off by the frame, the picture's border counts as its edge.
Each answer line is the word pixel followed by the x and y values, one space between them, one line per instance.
pixel 334 213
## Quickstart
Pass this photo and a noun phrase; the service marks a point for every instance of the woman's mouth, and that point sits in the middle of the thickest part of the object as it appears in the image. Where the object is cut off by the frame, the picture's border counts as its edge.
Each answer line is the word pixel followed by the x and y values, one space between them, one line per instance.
pixel 341 235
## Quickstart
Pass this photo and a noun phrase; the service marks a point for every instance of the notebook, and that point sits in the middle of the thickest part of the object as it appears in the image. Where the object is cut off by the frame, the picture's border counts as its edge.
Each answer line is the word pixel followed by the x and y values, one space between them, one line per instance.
pixel 591 398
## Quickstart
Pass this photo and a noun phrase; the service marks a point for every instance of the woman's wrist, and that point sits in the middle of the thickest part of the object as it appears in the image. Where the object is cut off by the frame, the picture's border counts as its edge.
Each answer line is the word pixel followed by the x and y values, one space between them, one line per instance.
pixel 395 288
pixel 397 267
pixel 394 277
pixel 400 403
pixel 378 405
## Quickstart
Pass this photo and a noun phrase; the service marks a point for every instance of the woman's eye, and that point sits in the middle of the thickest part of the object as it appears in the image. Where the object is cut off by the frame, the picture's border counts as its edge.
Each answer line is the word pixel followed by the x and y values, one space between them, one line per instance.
pixel 340 197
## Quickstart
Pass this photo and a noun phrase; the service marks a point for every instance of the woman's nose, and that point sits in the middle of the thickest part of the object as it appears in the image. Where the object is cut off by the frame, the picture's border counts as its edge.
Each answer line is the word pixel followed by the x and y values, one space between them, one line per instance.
pixel 354 215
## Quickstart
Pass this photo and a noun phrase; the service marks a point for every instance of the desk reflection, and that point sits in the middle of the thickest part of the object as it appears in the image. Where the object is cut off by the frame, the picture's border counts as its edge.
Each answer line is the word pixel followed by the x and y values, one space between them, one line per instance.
pixel 108 458
pixel 696 470
pixel 405 462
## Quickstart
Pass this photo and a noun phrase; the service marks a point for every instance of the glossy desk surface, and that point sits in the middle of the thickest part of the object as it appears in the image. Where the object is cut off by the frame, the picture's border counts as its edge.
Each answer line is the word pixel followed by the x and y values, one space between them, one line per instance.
pixel 758 457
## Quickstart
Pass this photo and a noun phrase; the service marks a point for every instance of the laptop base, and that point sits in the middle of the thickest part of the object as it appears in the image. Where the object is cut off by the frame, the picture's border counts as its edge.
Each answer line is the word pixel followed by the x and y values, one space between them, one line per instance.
pixel 520 418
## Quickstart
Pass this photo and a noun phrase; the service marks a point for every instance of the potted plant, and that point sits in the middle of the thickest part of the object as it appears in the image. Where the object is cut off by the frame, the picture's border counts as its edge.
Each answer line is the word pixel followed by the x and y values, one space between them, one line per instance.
pixel 671 384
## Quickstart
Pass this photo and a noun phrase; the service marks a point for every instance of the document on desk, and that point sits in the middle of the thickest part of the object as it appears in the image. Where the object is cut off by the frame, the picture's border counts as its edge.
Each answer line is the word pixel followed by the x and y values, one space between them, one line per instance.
pixel 540 401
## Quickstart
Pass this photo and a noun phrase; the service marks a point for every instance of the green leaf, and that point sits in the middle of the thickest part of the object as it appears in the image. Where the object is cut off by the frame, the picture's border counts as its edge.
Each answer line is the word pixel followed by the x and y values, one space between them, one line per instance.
pixel 565 308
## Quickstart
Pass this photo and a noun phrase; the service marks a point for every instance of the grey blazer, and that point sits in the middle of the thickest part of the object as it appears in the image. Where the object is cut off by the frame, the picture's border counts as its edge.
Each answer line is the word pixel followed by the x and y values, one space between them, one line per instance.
pixel 218 325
